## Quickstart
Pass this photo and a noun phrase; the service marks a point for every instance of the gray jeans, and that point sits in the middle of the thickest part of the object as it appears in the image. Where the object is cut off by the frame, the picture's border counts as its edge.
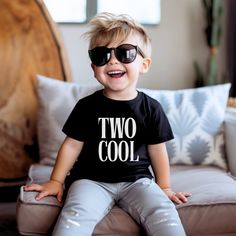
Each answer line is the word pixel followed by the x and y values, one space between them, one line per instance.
pixel 89 201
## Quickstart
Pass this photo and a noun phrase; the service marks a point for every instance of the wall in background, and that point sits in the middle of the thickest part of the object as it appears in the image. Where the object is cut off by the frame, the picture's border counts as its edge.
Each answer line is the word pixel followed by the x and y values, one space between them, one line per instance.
pixel 176 42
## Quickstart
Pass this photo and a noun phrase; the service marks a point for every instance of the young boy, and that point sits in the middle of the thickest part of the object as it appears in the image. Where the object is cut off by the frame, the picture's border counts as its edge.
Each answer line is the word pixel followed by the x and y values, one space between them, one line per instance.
pixel 113 136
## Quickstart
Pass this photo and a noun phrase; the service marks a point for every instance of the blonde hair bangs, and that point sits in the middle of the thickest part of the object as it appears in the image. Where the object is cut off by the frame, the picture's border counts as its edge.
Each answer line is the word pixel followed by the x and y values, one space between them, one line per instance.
pixel 108 27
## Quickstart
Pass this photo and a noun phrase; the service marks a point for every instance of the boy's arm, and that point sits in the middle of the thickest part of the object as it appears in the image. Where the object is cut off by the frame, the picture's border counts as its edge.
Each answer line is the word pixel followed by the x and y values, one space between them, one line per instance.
pixel 161 168
pixel 67 155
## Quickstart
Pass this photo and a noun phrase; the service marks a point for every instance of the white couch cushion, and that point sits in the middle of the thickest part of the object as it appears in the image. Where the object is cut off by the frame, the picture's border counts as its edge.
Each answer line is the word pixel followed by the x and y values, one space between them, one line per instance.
pixel 56 101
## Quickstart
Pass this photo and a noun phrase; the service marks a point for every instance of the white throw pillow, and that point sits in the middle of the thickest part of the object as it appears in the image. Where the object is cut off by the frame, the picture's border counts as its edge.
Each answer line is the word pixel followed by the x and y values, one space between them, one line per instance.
pixel 56 101
pixel 196 116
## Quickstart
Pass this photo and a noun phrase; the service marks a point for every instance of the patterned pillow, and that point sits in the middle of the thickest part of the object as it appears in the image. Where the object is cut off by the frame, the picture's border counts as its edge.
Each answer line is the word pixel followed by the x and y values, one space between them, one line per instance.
pixel 196 117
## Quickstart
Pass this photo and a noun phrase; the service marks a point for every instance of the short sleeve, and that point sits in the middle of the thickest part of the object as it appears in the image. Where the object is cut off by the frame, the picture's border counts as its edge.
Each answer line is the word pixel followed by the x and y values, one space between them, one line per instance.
pixel 75 125
pixel 159 127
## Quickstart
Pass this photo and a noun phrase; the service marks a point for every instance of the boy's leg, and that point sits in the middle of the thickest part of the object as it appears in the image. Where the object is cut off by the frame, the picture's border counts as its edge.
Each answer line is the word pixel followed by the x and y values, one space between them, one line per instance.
pixel 87 202
pixel 149 206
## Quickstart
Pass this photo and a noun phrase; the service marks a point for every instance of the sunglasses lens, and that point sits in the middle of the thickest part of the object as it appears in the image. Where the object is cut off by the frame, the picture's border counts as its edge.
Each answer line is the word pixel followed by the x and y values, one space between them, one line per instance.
pixel 99 55
pixel 126 53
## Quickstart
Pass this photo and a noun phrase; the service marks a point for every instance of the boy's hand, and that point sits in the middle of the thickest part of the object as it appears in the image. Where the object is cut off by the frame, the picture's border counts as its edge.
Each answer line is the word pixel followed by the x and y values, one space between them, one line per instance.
pixel 51 188
pixel 177 197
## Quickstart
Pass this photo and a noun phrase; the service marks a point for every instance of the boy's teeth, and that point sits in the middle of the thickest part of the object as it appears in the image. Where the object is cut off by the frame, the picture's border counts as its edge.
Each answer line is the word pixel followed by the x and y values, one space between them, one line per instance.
pixel 114 72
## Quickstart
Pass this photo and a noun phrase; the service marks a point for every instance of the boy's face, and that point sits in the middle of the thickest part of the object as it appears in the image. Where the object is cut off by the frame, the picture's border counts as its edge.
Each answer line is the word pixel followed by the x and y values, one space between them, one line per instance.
pixel 120 79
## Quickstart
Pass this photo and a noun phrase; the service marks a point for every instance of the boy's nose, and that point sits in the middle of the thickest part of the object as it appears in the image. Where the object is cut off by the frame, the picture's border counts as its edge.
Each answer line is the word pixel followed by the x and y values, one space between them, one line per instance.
pixel 113 59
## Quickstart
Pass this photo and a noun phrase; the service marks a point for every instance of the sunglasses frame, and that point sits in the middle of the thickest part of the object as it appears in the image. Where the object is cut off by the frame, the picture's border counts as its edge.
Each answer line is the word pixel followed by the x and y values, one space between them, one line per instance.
pixel 109 50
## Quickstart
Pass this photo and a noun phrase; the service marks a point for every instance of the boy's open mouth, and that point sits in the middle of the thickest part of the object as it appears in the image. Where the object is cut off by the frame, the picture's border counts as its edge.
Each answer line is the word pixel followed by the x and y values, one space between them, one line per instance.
pixel 116 74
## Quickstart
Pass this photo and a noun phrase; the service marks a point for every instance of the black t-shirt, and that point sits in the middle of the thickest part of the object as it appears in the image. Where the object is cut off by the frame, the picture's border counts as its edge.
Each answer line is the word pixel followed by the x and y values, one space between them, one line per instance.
pixel 115 135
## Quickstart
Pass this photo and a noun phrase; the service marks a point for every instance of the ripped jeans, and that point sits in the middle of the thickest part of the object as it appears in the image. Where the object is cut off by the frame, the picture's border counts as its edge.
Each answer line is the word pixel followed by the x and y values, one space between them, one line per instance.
pixel 89 201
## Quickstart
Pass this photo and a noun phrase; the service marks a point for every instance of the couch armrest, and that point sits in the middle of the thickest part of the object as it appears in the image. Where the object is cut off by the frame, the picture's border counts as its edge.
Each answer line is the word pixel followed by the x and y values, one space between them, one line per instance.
pixel 230 139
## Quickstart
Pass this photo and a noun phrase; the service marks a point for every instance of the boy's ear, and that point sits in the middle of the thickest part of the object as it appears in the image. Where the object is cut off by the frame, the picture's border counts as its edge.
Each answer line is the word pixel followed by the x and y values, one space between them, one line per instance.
pixel 146 65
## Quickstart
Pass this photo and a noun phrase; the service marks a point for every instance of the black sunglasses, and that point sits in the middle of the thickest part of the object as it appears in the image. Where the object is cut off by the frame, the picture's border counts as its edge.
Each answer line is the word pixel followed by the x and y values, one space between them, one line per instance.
pixel 125 53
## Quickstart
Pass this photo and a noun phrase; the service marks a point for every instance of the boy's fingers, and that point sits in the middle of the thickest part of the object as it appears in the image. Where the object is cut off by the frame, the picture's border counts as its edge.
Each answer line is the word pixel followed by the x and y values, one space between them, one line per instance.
pixel 182 197
pixel 187 194
pixel 42 195
pixel 32 187
pixel 59 196
pixel 176 199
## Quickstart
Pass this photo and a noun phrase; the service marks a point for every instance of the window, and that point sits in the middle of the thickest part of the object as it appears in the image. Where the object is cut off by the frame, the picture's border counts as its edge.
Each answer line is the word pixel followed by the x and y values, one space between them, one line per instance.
pixel 67 11
pixel 146 12
pixel 80 11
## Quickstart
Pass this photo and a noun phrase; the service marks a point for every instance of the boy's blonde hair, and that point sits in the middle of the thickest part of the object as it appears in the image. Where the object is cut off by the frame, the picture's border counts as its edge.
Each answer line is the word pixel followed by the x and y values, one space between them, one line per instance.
pixel 108 27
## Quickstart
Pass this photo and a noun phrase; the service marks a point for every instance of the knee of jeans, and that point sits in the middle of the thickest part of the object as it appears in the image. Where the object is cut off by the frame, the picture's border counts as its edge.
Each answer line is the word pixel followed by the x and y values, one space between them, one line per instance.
pixel 71 218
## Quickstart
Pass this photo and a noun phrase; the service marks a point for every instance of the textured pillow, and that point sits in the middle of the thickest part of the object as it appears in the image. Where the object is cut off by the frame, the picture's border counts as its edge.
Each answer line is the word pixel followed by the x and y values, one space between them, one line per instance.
pixel 56 101
pixel 196 117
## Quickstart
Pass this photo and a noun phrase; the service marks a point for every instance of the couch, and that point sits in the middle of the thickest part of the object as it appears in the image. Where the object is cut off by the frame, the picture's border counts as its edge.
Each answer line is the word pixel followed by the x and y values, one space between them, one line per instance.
pixel 202 159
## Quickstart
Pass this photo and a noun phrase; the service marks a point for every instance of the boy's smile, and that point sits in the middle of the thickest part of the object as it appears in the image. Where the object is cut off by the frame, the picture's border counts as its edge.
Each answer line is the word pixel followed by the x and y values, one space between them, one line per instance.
pixel 116 73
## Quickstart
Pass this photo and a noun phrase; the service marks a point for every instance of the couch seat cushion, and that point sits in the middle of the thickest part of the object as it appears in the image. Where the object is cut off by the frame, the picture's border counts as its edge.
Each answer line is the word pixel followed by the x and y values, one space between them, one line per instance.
pixel 211 210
